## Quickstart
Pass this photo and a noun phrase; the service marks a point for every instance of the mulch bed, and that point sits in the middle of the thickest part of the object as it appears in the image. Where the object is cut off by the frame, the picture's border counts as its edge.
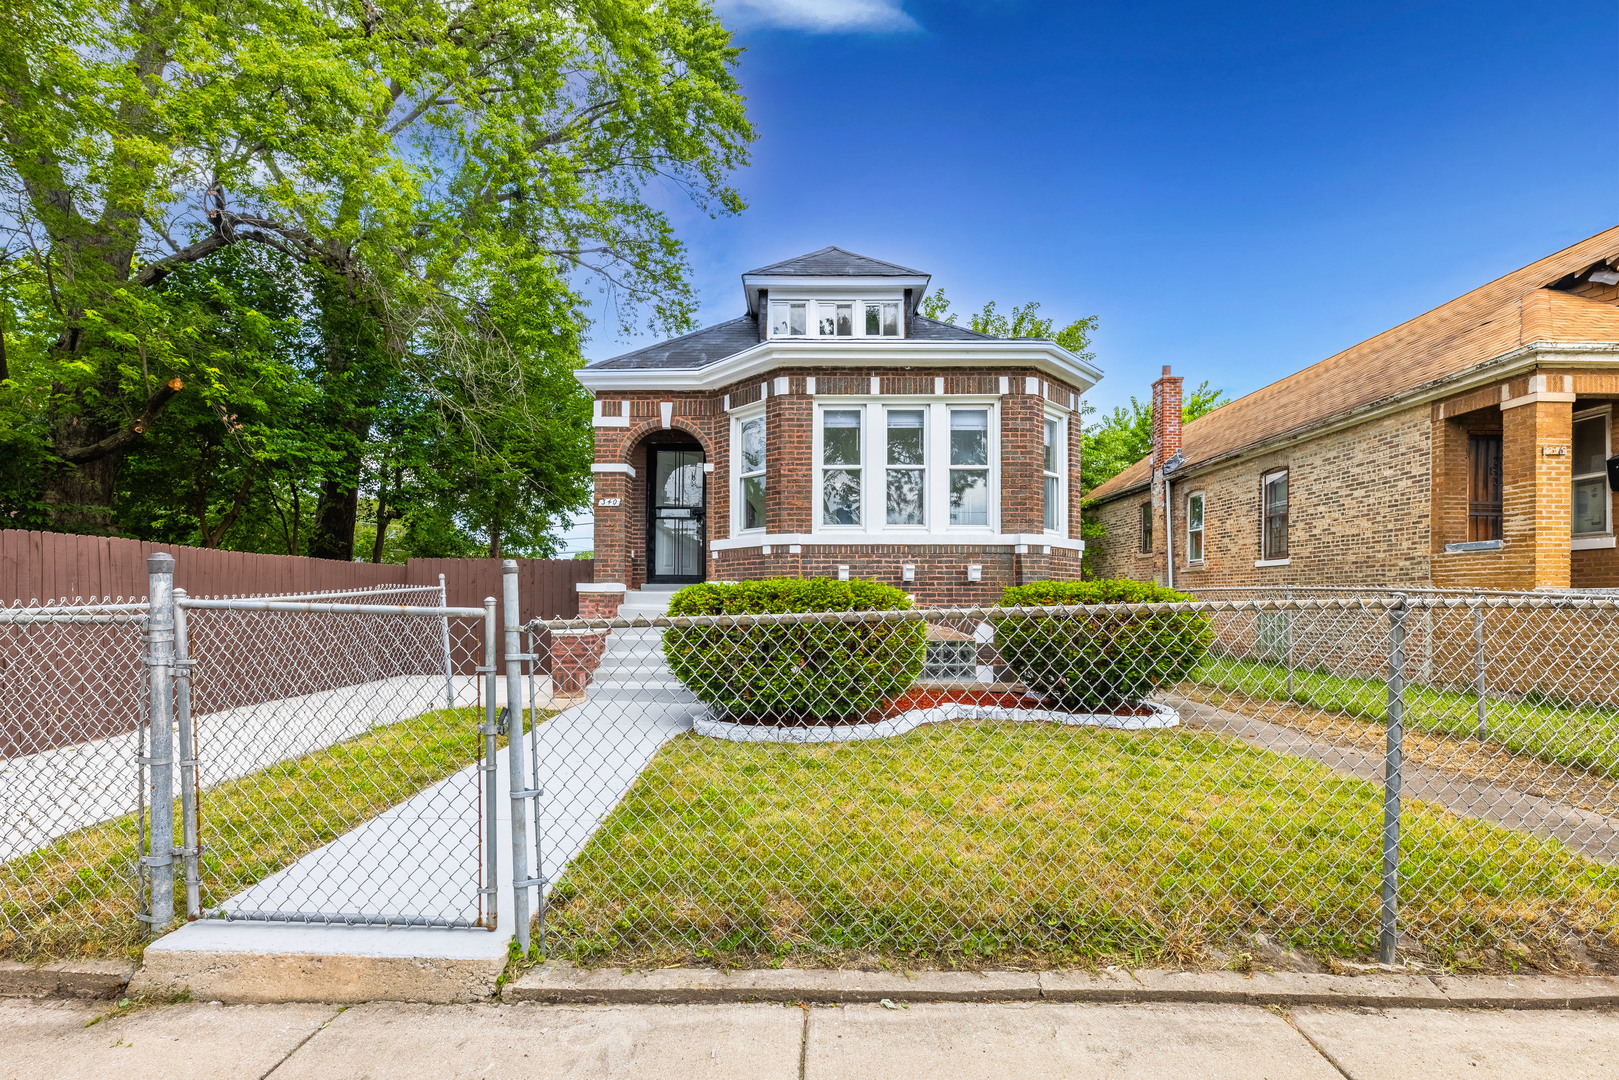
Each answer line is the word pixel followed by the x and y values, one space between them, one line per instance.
pixel 927 698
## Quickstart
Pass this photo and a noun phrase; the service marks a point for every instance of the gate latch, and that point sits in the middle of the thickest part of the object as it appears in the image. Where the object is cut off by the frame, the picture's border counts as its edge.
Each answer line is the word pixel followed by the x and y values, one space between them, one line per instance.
pixel 503 720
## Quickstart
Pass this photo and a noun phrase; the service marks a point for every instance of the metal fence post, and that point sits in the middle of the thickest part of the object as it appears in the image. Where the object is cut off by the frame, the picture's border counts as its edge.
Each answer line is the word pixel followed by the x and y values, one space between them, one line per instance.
pixel 514 751
pixel 192 846
pixel 444 634
pixel 1479 688
pixel 1388 922
pixel 491 752
pixel 159 858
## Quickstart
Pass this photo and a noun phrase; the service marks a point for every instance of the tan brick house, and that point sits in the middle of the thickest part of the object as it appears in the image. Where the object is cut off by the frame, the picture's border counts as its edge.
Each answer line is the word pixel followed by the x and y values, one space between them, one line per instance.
pixel 1464 448
pixel 834 430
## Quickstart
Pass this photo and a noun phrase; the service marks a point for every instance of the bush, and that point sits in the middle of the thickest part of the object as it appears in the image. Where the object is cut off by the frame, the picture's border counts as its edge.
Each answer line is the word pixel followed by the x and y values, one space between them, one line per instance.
pixel 1099 660
pixel 794 673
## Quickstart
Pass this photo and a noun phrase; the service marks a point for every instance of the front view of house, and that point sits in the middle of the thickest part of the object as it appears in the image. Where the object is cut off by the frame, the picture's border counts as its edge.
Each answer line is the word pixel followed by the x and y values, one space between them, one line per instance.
pixel 833 430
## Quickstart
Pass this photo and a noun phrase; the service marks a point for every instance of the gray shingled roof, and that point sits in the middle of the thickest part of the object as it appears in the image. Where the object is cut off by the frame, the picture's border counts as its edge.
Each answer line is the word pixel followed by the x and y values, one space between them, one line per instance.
pixel 835 262
pixel 712 344
pixel 699 348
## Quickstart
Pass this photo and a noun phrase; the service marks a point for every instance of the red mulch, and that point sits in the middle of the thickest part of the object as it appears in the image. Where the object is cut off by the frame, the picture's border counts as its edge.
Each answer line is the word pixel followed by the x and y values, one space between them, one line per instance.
pixel 927 699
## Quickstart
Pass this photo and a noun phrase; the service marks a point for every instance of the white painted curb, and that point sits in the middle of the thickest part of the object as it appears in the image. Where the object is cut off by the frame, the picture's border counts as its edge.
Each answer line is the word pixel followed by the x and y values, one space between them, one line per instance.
pixel 1162 717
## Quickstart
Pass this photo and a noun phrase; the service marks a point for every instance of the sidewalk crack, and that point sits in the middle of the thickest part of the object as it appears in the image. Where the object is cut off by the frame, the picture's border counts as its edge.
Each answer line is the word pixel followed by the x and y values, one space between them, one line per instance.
pixel 1287 1015
pixel 302 1043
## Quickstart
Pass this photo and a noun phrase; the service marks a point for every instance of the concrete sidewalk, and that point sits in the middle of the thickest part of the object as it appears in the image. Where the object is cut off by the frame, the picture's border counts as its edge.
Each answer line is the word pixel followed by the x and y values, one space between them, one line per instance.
pixel 51 1039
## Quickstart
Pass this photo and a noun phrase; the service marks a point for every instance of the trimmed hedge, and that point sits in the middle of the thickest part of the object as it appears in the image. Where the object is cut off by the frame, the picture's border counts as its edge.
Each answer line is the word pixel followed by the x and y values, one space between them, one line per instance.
pixel 802 673
pixel 1099 660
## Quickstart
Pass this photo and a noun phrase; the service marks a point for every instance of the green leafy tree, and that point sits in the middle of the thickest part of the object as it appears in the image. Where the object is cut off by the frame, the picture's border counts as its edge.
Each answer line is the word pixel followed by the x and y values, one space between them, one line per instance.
pixel 449 176
pixel 1124 436
pixel 1024 322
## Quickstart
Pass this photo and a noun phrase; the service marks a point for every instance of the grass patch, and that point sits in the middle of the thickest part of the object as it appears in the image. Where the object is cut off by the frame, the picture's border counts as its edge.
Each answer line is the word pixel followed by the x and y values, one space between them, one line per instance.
pixel 1580 737
pixel 79 895
pixel 1035 844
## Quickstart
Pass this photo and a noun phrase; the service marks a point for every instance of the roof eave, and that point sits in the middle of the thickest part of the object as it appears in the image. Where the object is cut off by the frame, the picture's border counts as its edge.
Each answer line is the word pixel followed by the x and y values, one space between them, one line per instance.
pixel 1505 366
pixel 1045 356
pixel 752 283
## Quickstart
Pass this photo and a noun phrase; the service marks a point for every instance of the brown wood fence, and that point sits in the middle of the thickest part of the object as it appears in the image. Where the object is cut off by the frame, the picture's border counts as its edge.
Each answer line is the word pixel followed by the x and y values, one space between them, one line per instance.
pixel 62 568
pixel 65 684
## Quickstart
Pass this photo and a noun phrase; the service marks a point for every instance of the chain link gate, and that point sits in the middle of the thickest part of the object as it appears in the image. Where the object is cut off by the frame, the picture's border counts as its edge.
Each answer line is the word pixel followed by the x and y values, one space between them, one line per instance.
pixel 334 760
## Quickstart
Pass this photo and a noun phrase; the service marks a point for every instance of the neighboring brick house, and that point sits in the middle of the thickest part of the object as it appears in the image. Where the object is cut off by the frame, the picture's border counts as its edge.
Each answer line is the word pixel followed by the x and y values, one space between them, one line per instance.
pixel 1465 448
pixel 833 429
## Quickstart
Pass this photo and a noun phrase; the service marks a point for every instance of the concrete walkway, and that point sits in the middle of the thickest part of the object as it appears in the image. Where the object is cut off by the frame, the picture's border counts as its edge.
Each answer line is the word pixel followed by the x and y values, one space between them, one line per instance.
pixel 421 858
pixel 785 1042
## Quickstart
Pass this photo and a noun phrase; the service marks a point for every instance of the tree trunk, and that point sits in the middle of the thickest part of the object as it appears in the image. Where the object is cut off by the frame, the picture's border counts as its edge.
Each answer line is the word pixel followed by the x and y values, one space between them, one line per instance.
pixel 335 517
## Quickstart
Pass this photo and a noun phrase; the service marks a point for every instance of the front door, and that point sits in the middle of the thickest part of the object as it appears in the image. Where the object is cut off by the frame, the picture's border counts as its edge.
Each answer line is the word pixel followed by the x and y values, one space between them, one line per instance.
pixel 675 532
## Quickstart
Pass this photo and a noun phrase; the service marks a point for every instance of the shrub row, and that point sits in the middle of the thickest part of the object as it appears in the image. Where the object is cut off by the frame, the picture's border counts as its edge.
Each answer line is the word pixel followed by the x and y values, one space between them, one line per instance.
pixel 829 672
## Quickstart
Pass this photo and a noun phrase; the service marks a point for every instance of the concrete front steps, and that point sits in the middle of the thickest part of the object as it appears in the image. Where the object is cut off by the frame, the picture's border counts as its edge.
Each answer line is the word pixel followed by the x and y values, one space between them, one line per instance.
pixel 632 667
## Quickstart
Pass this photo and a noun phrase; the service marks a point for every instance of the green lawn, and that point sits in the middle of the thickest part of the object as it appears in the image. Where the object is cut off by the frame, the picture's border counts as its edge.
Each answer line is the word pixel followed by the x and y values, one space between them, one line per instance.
pixel 1585 738
pixel 77 896
pixel 1032 843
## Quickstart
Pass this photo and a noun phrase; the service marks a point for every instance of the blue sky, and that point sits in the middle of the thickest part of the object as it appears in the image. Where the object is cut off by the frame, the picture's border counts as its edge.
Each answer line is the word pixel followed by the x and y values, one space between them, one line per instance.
pixel 1237 190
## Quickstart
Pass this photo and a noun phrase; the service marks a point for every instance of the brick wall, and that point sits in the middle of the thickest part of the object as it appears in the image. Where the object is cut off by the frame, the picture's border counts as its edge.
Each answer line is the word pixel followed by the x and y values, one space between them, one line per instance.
pixel 621 540
pixel 1358 512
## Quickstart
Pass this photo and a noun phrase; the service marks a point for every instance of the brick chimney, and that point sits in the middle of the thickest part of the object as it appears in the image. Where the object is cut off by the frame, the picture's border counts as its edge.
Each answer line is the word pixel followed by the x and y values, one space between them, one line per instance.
pixel 1166 418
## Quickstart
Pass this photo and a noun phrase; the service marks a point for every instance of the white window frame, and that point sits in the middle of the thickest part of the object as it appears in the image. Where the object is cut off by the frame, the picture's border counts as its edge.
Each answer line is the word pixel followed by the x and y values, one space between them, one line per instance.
pixel 812 317
pixel 1605 413
pixel 1265 555
pixel 936 458
pixel 864 468
pixel 861 305
pixel 1059 470
pixel 738 514
pixel 924 468
pixel 1201 530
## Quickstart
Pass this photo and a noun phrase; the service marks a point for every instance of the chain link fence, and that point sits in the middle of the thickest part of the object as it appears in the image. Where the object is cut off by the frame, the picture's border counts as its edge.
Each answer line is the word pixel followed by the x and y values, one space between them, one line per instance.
pixel 72 708
pixel 317 758
pixel 1398 778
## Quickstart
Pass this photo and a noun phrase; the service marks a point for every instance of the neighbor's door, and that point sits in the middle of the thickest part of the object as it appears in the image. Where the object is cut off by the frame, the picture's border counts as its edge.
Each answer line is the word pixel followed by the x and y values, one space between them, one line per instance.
pixel 675 526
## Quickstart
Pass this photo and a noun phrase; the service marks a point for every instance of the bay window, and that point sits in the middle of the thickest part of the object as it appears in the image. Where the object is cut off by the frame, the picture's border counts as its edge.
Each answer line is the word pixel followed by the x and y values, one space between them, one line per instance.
pixel 1052 465
pixel 907 472
pixel 751 471
pixel 969 467
pixel 1592 502
pixel 841 488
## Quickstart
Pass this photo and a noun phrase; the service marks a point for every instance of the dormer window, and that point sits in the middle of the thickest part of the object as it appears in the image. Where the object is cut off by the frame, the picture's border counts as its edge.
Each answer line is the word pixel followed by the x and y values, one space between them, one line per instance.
pixel 788 319
pixel 882 320
pixel 836 318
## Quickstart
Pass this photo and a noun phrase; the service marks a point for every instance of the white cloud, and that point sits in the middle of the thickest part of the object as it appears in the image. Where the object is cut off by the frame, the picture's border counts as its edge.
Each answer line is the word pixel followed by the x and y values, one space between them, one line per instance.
pixel 823 16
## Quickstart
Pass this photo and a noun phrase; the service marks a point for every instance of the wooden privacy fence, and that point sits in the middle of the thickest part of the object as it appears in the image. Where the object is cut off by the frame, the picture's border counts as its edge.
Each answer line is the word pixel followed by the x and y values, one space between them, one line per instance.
pixel 64 684
pixel 62 568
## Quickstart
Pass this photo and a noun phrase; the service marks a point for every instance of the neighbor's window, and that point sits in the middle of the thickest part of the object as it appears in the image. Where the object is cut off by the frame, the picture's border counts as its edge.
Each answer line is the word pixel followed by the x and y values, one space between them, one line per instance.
pixel 1051 469
pixel 1274 536
pixel 1146 528
pixel 907 474
pixel 751 466
pixel 882 320
pixel 836 320
pixel 840 467
pixel 969 466
pixel 1194 527
pixel 787 319
pixel 1591 500
pixel 1483 486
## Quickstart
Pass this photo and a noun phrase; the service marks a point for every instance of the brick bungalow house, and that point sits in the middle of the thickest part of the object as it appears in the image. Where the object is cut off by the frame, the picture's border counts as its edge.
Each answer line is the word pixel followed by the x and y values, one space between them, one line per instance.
pixel 1464 448
pixel 833 430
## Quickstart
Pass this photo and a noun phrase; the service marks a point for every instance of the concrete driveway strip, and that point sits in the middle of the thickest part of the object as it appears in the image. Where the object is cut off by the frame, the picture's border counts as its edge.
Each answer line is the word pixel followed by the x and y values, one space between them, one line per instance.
pixel 1426 1043
pixel 552 1042
pixel 1039 1041
pixel 49 1040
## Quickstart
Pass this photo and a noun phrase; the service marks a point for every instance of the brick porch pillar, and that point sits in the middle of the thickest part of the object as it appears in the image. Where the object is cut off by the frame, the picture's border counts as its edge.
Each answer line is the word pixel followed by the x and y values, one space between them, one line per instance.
pixel 1536 495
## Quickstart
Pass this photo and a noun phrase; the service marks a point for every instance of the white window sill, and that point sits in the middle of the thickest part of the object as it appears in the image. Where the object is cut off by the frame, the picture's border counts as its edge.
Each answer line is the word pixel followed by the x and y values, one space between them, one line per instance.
pixel 1273 562
pixel 1474 546
pixel 1588 543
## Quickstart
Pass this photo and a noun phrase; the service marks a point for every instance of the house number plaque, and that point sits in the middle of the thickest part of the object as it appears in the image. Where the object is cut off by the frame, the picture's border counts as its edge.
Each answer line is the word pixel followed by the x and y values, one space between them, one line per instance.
pixel 607 502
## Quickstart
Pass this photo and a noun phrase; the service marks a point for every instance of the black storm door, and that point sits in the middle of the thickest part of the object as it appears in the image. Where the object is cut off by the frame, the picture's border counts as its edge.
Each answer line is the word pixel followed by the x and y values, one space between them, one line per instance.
pixel 676 536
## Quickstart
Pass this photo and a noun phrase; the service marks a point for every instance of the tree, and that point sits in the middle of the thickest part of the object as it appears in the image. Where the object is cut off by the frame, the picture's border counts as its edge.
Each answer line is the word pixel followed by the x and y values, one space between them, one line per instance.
pixel 448 174
pixel 1124 436
pixel 1023 322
